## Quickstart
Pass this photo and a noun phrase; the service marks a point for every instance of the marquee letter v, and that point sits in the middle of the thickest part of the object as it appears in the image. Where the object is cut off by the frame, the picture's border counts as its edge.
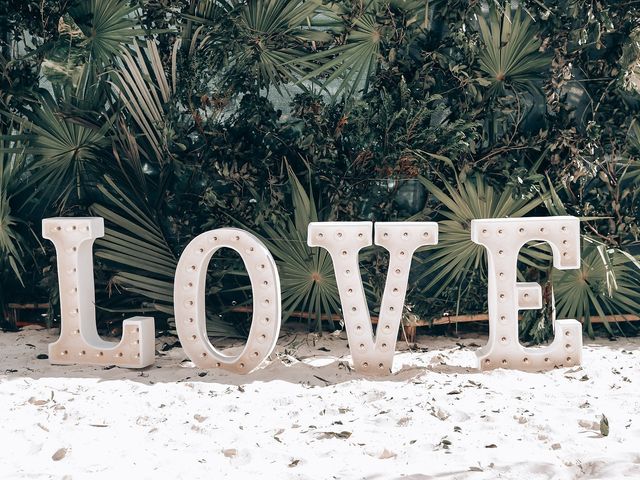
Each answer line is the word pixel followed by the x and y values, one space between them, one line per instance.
pixel 343 241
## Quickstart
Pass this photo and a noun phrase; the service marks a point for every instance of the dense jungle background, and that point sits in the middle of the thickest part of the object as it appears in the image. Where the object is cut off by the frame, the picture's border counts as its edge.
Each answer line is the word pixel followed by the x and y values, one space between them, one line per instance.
pixel 172 117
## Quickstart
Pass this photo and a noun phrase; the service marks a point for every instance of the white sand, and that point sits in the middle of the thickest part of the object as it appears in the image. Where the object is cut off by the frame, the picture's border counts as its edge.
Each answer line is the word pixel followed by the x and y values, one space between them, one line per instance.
pixel 306 416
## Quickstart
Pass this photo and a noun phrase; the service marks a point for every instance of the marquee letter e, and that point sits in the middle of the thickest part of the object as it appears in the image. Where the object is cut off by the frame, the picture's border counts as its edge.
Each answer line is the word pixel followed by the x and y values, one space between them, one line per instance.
pixel 503 239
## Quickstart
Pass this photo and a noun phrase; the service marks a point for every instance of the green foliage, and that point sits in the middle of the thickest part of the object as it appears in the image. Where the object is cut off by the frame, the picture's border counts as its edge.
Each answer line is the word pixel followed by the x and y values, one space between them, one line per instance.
pixel 12 242
pixel 172 118
pixel 66 143
pixel 255 45
pixel 607 282
pixel 307 278
pixel 144 90
pixel 366 33
pixel 510 55
pixel 456 261
pixel 19 247
pixel 401 135
pixel 106 26
pixel 91 36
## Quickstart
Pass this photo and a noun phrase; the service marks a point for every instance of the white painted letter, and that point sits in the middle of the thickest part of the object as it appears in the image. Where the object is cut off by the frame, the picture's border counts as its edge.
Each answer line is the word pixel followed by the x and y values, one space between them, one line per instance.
pixel 503 239
pixel 189 299
pixel 343 240
pixel 79 342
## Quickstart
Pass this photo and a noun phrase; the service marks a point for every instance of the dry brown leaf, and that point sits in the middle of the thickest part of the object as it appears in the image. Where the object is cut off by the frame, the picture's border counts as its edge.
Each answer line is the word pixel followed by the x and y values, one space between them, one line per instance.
pixel 59 455
pixel 230 452
pixel 387 454
pixel 343 434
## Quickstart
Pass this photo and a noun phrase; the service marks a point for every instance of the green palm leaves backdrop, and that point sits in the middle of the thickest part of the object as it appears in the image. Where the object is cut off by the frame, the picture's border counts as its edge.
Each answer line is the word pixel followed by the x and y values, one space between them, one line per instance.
pixel 159 118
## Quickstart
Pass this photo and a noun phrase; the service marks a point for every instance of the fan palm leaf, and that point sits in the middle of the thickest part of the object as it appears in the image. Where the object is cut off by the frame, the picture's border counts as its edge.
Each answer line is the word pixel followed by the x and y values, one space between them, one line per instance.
pixel 107 25
pixel 353 62
pixel 65 144
pixel 456 258
pixel 607 282
pixel 510 53
pixel 307 277
pixel 268 38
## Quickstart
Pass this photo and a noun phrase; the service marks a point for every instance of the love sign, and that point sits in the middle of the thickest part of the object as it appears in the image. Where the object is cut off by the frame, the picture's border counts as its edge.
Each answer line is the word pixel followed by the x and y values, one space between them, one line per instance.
pixel 371 354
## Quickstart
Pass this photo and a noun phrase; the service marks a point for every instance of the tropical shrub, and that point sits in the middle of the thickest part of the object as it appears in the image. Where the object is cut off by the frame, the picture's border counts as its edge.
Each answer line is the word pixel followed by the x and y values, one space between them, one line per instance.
pixel 171 118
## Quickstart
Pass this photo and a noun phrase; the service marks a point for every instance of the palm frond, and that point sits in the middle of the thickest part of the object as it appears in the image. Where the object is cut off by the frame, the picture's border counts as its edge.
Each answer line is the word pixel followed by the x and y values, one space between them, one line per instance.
pixel 510 53
pixel 143 88
pixel 12 242
pixel 347 66
pixel 91 36
pixel 65 146
pixel 607 283
pixel 307 277
pixel 268 38
pixel 353 62
pixel 107 25
pixel 455 258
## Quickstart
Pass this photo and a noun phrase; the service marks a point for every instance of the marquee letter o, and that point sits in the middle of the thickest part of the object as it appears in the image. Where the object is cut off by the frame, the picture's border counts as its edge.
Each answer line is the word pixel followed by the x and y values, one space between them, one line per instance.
pixel 189 299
